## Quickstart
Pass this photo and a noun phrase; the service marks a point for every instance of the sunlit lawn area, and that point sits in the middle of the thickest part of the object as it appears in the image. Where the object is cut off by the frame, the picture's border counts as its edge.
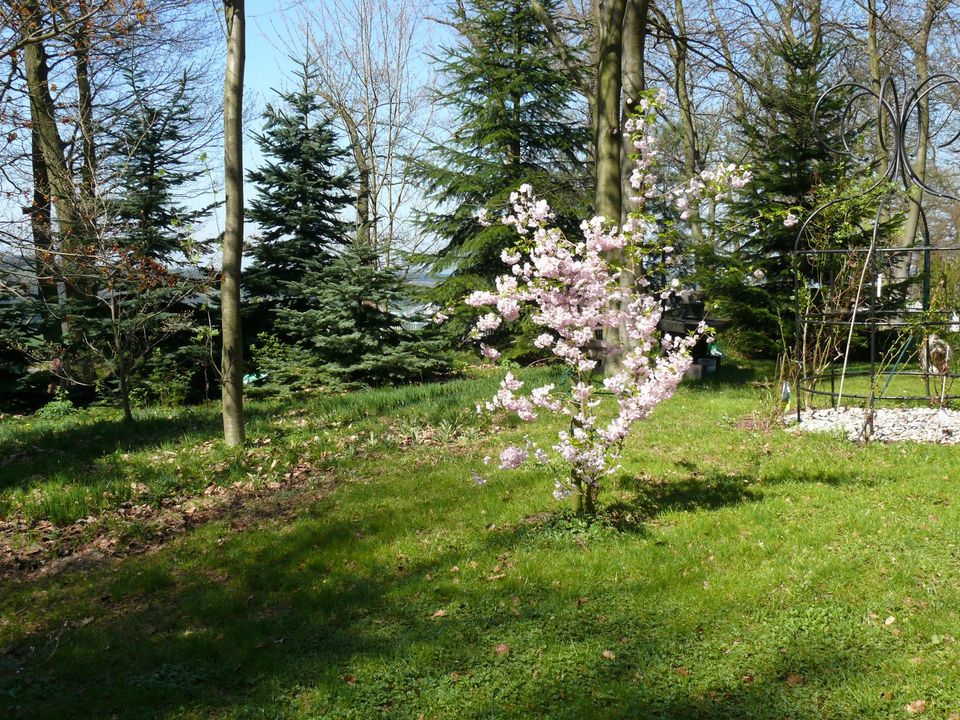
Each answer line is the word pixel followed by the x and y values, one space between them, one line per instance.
pixel 739 571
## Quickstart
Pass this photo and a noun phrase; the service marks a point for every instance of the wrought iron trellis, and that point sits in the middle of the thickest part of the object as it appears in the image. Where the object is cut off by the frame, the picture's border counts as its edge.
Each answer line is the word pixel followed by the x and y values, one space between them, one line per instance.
pixel 871 317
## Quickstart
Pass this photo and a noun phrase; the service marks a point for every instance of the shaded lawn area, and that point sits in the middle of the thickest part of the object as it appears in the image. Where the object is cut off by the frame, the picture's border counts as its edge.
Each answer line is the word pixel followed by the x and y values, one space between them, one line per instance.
pixel 742 573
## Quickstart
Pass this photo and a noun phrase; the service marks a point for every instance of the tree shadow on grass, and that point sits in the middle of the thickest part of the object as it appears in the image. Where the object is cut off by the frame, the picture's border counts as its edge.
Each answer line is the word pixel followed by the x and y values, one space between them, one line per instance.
pixel 703 491
pixel 321 617
pixel 696 492
pixel 36 454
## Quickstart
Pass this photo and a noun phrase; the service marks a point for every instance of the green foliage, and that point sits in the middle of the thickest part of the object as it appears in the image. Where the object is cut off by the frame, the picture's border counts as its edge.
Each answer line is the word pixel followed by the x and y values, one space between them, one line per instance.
pixel 19 387
pixel 166 378
pixel 282 367
pixel 300 195
pixel 155 157
pixel 751 280
pixel 359 325
pixel 516 123
pixel 60 407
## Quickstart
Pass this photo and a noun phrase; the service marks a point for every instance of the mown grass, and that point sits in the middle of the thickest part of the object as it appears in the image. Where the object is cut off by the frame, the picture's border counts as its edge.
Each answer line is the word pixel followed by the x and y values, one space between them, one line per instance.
pixel 740 572
pixel 893 381
pixel 64 469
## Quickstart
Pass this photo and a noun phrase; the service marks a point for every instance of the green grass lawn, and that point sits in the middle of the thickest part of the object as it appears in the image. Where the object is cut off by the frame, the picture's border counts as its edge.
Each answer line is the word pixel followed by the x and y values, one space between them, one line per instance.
pixel 740 571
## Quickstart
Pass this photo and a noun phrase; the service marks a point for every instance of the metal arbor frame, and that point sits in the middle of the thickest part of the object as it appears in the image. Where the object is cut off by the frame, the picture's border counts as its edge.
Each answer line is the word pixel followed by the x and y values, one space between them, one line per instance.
pixel 868 315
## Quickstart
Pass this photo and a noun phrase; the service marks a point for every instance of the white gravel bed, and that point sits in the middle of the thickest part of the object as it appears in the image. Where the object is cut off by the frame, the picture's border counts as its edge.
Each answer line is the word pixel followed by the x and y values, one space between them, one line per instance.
pixel 928 425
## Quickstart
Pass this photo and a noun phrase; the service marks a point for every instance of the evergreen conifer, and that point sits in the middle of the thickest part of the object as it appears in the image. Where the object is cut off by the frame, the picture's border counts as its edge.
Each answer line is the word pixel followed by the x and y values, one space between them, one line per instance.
pixel 301 192
pixel 517 122
pixel 751 281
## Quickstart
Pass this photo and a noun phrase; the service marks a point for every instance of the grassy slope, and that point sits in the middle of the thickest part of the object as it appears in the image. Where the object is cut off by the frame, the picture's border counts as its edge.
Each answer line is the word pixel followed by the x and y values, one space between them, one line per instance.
pixel 757 579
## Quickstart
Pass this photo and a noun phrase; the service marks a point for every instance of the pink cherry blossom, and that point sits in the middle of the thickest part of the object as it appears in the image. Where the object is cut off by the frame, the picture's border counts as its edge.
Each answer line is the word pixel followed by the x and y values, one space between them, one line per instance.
pixel 572 289
pixel 512 458
pixel 489 352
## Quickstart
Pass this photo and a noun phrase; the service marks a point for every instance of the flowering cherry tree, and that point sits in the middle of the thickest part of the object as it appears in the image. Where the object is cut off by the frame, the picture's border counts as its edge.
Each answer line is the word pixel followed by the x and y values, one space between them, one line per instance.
pixel 574 288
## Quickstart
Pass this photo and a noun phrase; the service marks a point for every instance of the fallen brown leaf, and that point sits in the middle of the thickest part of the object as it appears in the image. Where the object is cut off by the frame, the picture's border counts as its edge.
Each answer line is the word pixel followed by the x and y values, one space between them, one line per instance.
pixel 503 649
pixel 917 707
pixel 794 679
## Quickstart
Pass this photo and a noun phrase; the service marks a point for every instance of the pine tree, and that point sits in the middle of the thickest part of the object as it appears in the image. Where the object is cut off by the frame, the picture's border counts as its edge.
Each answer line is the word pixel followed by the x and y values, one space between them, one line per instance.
pixel 300 195
pixel 358 326
pixel 752 282
pixel 516 122
pixel 138 268
pixel 154 159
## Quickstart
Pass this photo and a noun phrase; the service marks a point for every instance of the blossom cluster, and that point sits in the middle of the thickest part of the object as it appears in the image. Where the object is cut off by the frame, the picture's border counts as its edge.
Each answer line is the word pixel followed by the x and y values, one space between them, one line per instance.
pixel 573 290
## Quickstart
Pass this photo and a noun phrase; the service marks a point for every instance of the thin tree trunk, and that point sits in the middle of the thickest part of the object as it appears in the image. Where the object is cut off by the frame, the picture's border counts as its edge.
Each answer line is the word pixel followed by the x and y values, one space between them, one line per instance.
pixel 678 51
pixel 739 97
pixel 81 48
pixel 232 359
pixel 125 397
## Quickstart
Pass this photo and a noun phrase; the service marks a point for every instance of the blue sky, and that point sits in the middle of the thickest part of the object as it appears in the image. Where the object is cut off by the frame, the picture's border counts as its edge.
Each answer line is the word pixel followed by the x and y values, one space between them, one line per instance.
pixel 268 68
pixel 272 35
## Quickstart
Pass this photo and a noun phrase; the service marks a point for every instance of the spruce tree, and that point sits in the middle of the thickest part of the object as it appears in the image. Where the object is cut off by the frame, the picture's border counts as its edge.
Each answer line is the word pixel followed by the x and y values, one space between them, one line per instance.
pixel 515 121
pixel 300 193
pixel 138 272
pixel 154 159
pixel 751 282
pixel 359 326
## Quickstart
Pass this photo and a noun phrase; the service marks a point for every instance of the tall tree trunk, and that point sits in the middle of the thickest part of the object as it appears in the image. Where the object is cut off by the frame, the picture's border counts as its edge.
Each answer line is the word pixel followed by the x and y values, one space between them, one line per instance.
pixel 363 174
pixel 691 160
pixel 81 50
pixel 920 46
pixel 873 59
pixel 634 83
pixel 42 232
pixel 607 138
pixel 52 177
pixel 608 142
pixel 43 121
pixel 232 358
